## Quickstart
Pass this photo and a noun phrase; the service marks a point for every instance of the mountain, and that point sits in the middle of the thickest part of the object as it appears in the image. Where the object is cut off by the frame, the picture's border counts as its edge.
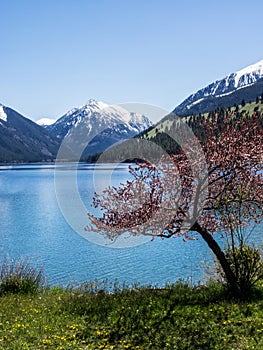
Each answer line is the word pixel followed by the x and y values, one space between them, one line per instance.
pixel 167 133
pixel 22 140
pixel 45 121
pixel 246 84
pixel 97 125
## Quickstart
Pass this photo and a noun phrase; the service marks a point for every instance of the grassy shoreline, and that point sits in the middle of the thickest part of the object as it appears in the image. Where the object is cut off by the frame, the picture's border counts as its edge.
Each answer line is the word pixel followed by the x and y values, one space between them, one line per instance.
pixel 176 317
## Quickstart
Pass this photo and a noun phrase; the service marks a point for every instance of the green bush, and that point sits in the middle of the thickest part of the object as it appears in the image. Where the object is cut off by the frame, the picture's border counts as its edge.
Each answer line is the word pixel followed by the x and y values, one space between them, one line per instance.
pixel 247 265
pixel 20 276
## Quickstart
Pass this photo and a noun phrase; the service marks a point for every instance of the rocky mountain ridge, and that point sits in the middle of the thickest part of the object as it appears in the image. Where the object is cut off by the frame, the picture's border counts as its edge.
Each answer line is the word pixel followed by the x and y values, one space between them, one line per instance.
pixel 243 84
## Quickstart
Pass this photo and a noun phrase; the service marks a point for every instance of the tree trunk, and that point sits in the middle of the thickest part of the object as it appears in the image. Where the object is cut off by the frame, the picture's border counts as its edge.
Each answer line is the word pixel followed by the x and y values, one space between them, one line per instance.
pixel 214 246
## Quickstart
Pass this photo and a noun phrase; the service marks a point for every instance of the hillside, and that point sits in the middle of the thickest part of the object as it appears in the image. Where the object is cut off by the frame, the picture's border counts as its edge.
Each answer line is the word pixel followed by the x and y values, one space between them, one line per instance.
pixel 159 138
pixel 22 140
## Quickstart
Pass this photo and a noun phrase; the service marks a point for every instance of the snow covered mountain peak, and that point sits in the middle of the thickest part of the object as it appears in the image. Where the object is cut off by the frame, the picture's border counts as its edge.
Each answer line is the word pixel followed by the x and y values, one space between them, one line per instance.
pixel 93 104
pixel 104 124
pixel 243 78
pixel 94 112
pixel 99 108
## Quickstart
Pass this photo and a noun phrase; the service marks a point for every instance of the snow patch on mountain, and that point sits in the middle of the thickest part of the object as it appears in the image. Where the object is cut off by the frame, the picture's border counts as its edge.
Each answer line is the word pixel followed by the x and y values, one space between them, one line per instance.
pixel 45 121
pixel 249 74
pixel 3 115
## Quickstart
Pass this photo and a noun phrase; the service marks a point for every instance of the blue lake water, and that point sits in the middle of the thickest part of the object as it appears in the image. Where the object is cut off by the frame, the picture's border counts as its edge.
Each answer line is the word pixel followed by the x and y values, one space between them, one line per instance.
pixel 33 226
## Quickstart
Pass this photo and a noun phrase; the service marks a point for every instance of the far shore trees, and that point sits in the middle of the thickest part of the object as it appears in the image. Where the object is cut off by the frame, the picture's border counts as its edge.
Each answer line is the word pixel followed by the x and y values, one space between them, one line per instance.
pixel 180 196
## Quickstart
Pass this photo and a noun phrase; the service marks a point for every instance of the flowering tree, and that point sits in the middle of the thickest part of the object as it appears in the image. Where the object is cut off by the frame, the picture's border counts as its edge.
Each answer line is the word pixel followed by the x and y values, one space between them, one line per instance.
pixel 191 193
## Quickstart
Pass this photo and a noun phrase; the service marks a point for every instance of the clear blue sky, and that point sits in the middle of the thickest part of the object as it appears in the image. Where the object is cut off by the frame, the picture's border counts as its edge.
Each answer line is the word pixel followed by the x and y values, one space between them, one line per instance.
pixel 57 54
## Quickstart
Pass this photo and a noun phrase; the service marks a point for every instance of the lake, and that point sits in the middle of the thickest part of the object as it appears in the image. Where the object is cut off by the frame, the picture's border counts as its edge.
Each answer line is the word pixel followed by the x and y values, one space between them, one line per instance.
pixel 37 223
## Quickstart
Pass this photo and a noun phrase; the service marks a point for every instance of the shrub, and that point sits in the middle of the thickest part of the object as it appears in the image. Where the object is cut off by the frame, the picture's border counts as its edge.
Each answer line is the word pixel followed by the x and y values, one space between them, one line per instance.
pixel 246 262
pixel 20 276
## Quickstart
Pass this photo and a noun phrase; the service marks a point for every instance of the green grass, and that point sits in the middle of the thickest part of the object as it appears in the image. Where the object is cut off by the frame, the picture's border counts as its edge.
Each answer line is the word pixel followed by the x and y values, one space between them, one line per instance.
pixel 177 317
